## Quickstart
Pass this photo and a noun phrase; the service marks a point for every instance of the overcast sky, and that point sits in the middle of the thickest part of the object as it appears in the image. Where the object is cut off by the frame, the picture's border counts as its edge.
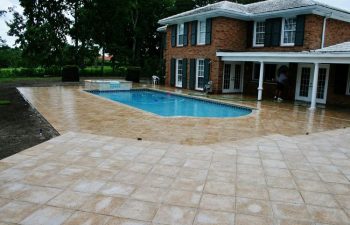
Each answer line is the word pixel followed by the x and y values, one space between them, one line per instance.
pixel 342 4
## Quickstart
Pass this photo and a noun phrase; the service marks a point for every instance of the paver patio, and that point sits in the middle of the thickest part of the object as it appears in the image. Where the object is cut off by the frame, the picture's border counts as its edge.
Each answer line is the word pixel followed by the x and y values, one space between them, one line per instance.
pixel 184 171
pixel 82 178
pixel 71 109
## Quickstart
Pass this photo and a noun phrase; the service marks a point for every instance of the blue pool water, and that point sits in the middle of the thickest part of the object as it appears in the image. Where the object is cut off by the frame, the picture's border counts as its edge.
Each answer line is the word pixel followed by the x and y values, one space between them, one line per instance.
pixel 167 104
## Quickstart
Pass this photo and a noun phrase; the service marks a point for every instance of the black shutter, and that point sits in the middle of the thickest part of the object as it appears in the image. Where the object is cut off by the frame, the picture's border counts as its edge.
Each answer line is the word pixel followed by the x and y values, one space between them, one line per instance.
pixel 208 31
pixel 299 34
pixel 192 82
pixel 172 72
pixel 276 32
pixel 206 71
pixel 250 33
pixel 268 33
pixel 194 25
pixel 173 35
pixel 341 78
pixel 185 34
pixel 184 73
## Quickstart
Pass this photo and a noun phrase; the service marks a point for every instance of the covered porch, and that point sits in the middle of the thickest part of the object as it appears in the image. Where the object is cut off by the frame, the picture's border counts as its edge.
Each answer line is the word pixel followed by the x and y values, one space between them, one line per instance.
pixel 320 76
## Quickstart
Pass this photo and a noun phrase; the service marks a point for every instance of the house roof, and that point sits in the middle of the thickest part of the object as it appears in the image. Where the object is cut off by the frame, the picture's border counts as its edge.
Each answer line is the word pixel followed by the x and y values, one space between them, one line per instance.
pixel 339 48
pixel 260 9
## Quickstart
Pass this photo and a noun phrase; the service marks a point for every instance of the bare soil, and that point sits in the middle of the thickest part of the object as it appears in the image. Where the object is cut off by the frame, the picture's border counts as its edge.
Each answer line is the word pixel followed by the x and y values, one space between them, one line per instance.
pixel 21 126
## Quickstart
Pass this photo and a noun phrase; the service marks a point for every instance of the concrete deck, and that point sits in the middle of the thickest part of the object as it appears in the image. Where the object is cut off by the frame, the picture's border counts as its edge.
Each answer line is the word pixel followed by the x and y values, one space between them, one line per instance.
pixel 71 109
pixel 185 171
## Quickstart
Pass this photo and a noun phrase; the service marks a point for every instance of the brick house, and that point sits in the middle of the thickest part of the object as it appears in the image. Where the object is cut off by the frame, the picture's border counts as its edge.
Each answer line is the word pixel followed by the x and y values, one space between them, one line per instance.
pixel 241 48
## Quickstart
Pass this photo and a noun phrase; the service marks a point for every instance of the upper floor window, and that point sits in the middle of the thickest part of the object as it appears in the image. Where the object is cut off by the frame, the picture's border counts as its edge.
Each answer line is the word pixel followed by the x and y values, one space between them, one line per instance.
pixel 259 33
pixel 180 34
pixel 201 32
pixel 289 26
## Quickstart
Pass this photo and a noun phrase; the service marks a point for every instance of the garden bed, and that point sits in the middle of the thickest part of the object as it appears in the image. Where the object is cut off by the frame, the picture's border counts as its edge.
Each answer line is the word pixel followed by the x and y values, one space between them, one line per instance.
pixel 20 124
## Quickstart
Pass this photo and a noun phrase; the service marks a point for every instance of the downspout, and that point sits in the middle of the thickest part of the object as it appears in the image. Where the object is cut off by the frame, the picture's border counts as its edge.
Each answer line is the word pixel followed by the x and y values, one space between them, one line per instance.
pixel 324 29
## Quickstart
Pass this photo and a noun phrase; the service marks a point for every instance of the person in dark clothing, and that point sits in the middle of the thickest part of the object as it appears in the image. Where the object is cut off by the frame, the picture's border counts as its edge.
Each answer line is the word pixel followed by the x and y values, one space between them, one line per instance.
pixel 282 82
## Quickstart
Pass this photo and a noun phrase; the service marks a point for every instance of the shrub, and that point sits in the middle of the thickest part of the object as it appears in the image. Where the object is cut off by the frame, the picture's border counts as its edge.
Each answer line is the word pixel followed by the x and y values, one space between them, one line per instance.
pixel 133 74
pixel 70 73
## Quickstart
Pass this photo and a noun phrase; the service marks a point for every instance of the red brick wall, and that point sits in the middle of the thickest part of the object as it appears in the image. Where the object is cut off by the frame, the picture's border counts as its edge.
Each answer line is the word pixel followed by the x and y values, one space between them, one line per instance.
pixel 337 32
pixel 226 34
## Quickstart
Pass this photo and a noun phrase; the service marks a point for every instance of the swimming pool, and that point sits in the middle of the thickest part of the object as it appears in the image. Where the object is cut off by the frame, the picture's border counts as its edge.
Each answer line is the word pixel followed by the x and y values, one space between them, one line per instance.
pixel 173 105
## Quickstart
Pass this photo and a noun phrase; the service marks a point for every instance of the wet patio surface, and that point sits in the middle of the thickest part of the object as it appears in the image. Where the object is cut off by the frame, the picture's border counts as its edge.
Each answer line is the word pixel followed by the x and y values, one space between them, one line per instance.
pixel 71 109
pixel 261 169
pixel 90 179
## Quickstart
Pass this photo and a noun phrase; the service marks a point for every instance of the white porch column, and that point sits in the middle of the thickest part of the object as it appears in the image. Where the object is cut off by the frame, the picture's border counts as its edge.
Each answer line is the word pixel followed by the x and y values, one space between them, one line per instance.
pixel 261 81
pixel 314 86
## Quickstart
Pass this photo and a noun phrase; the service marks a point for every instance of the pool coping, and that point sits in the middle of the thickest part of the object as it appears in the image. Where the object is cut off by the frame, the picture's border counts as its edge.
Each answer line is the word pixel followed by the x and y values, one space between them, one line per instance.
pixel 253 110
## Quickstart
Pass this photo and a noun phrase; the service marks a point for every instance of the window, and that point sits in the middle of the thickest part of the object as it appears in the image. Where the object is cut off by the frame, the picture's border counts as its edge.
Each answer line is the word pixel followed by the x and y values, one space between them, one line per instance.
pixel 180 34
pixel 289 26
pixel 259 34
pixel 201 32
pixel 179 72
pixel 348 86
pixel 200 74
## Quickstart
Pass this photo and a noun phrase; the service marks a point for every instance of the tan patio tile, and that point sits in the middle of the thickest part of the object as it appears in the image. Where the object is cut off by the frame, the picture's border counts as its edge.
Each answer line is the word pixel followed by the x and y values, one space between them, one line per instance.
pixel 252 191
pixel 122 221
pixel 13 190
pixel 40 195
pixel 319 199
pixel 87 185
pixel 220 188
pixel 138 210
pixel 291 211
pixel 253 207
pixel 182 198
pixel 271 163
pixel 47 215
pixel 334 178
pixel 74 171
pixel 129 177
pixel 117 189
pixel 328 215
pixel 145 158
pixel 170 215
pixel 197 164
pixel 343 200
pixel 309 185
pixel 87 219
pixel 172 161
pixel 255 179
pixel 139 167
pixel 206 217
pixel 195 174
pixel 158 181
pixel 188 184
pixel 113 164
pixel 279 182
pixel 242 219
pixel 285 195
pixel 150 194
pixel 16 211
pixel 217 202
pixel 12 174
pixel 103 204
pixel 165 170
pixel 338 189
pixel 100 174
pixel 69 199
pixel 294 222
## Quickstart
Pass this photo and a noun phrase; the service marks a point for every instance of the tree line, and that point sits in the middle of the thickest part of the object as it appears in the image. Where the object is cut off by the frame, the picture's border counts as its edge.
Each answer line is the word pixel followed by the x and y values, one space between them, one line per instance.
pixel 76 31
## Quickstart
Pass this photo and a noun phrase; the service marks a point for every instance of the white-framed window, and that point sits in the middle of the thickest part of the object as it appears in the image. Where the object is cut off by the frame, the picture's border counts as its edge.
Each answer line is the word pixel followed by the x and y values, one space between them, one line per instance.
pixel 200 74
pixel 259 34
pixel 180 34
pixel 289 27
pixel 202 25
pixel 179 72
pixel 348 86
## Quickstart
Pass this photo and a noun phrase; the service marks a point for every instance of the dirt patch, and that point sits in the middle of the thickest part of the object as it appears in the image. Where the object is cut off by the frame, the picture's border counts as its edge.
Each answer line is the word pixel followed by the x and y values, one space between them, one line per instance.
pixel 20 124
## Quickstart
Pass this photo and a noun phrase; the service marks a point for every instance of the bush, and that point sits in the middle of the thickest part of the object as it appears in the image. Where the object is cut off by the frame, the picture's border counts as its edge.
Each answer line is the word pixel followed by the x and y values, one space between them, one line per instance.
pixel 133 74
pixel 70 73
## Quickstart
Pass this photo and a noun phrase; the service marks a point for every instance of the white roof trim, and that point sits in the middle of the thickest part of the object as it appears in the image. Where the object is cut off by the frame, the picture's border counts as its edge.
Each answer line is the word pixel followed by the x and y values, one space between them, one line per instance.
pixel 297 57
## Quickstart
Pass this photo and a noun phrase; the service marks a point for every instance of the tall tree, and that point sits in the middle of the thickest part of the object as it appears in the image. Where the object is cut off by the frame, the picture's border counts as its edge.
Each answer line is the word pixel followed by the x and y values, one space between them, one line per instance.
pixel 42 32
pixel 2 41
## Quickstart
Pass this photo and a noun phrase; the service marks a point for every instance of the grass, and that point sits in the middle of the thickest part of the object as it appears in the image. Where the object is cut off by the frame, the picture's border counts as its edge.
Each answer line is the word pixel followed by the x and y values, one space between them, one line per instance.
pixel 4 102
pixel 6 80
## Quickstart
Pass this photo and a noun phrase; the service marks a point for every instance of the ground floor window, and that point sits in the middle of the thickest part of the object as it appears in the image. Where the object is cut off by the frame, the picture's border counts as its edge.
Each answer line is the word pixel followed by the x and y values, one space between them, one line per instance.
pixel 270 71
pixel 179 72
pixel 200 74
pixel 348 86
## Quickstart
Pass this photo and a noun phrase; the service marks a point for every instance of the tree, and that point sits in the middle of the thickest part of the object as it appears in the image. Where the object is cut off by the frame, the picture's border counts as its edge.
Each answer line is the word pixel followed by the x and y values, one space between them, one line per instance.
pixel 41 33
pixel 2 41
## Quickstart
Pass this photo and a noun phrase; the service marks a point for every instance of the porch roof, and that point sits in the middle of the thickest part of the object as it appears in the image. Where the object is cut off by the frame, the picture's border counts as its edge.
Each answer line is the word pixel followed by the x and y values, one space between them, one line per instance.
pixel 319 56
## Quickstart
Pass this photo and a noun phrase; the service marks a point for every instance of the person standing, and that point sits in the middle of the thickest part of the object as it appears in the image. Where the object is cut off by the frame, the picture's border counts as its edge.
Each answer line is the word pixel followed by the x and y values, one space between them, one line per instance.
pixel 282 82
